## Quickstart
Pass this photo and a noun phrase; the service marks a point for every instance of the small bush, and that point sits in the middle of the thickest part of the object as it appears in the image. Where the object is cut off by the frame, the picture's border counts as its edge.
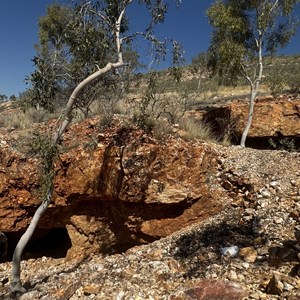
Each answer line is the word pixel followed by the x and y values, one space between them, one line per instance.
pixel 195 129
pixel 162 129
pixel 283 144
pixel 294 83
pixel 276 82
pixel 42 146
pixel 159 110
pixel 19 119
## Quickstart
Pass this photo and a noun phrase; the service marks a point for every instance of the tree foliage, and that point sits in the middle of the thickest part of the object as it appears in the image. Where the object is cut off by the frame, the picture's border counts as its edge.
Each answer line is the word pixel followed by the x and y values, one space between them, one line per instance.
pixel 76 41
pixel 245 30
pixel 199 67
pixel 111 23
pixel 3 98
pixel 71 46
pixel 239 26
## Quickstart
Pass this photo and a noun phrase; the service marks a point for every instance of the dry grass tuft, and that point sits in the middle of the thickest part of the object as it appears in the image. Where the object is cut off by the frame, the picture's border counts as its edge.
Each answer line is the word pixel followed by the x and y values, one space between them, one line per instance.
pixel 197 129
pixel 194 129
pixel 18 119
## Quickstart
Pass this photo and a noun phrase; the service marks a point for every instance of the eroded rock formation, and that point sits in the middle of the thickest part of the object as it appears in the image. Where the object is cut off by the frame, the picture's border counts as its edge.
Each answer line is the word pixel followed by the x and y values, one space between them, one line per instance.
pixel 259 190
pixel 273 118
pixel 113 189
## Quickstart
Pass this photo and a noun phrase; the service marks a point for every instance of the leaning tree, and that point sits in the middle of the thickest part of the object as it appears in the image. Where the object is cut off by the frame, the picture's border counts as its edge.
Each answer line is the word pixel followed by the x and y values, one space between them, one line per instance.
pixel 244 31
pixel 72 45
pixel 111 16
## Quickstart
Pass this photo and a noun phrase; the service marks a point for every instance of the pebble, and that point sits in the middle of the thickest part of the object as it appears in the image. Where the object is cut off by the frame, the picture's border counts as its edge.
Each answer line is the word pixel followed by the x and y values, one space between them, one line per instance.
pixel 229 251
pixel 287 286
pixel 278 220
pixel 255 296
pixel 274 184
pixel 249 254
pixel 241 277
pixel 232 275
pixel 275 286
pixel 263 203
pixel 265 193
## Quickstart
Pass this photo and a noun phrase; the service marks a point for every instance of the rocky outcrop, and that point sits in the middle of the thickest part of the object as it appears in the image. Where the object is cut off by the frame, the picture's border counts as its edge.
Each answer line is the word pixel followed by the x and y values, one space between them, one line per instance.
pixel 272 118
pixel 113 189
pixel 260 193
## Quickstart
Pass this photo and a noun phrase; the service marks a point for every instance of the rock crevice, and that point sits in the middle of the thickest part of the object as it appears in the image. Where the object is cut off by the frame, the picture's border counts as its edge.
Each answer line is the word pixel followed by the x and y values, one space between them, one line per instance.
pixel 129 189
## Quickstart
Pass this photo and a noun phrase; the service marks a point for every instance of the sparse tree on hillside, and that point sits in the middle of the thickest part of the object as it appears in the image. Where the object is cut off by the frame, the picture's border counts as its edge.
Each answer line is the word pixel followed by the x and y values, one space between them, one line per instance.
pixel 244 30
pixel 111 14
pixel 12 98
pixel 72 45
pixel 200 67
pixel 3 98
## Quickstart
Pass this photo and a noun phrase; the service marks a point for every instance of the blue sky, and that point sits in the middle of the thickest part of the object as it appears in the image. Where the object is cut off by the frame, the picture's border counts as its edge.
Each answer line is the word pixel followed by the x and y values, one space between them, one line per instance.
pixel 19 32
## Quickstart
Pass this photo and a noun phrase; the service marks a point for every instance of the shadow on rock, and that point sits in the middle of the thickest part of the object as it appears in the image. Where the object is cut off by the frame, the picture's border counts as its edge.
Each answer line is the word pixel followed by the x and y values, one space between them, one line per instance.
pixel 201 248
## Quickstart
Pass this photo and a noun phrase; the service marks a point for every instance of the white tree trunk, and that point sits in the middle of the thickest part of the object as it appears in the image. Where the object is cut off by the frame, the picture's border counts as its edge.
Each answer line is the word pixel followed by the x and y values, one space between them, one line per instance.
pixel 16 282
pixel 199 83
pixel 250 116
pixel 254 88
pixel 16 285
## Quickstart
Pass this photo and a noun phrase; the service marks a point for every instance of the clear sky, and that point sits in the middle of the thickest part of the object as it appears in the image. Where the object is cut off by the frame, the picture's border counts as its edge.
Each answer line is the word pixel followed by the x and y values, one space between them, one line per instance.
pixel 19 32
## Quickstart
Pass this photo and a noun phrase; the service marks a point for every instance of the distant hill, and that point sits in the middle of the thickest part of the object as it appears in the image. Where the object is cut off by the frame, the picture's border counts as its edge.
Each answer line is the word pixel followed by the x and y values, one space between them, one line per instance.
pixel 281 75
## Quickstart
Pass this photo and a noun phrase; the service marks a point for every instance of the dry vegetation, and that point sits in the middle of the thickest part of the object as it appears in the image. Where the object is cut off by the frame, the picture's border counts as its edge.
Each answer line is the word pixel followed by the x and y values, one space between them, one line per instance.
pixel 159 103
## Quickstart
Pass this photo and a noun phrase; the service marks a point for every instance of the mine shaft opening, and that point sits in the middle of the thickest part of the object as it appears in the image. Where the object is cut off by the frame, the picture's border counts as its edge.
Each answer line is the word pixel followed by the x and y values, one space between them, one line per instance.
pixel 54 242
pixel 291 144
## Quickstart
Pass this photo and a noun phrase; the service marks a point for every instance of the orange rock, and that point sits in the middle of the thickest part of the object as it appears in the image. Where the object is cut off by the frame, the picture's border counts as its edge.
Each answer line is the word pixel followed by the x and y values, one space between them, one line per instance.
pixel 130 190
pixel 271 118
pixel 249 254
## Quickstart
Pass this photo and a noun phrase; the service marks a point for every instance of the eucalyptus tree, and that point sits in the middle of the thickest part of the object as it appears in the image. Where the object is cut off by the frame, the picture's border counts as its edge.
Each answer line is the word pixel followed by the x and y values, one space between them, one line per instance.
pixel 12 98
pixel 3 98
pixel 71 46
pixel 245 30
pixel 112 19
pixel 200 67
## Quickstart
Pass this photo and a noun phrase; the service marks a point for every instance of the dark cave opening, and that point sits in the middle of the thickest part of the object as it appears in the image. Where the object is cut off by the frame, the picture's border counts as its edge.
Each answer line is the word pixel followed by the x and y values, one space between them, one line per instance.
pixel 49 242
pixel 288 143
pixel 291 144
pixel 222 124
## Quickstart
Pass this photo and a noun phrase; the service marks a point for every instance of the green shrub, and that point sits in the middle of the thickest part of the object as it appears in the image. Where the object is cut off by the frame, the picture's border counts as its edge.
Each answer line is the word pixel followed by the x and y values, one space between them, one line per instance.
pixel 294 83
pixel 283 144
pixel 160 107
pixel 23 119
pixel 42 146
pixel 276 82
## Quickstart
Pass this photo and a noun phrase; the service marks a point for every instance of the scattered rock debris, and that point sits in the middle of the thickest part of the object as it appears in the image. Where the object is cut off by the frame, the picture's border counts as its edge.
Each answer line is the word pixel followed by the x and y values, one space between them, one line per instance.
pixel 261 190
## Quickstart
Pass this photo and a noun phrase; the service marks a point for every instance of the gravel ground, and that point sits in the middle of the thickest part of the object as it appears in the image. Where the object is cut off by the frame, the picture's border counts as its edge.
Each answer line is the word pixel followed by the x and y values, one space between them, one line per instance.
pixel 263 188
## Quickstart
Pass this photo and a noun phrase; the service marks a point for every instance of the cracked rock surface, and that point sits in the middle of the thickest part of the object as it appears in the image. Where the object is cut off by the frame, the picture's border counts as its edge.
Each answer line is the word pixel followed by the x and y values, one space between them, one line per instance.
pixel 261 194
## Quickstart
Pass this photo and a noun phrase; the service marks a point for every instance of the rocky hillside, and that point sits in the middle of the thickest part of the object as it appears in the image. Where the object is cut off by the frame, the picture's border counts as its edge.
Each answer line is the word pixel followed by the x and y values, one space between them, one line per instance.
pixel 135 217
pixel 275 121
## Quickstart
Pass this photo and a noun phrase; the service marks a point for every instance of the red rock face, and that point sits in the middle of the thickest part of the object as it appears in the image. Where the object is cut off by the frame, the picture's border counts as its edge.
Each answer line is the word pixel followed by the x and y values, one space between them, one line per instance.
pixel 271 117
pixel 119 187
pixel 213 289
pixel 18 179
